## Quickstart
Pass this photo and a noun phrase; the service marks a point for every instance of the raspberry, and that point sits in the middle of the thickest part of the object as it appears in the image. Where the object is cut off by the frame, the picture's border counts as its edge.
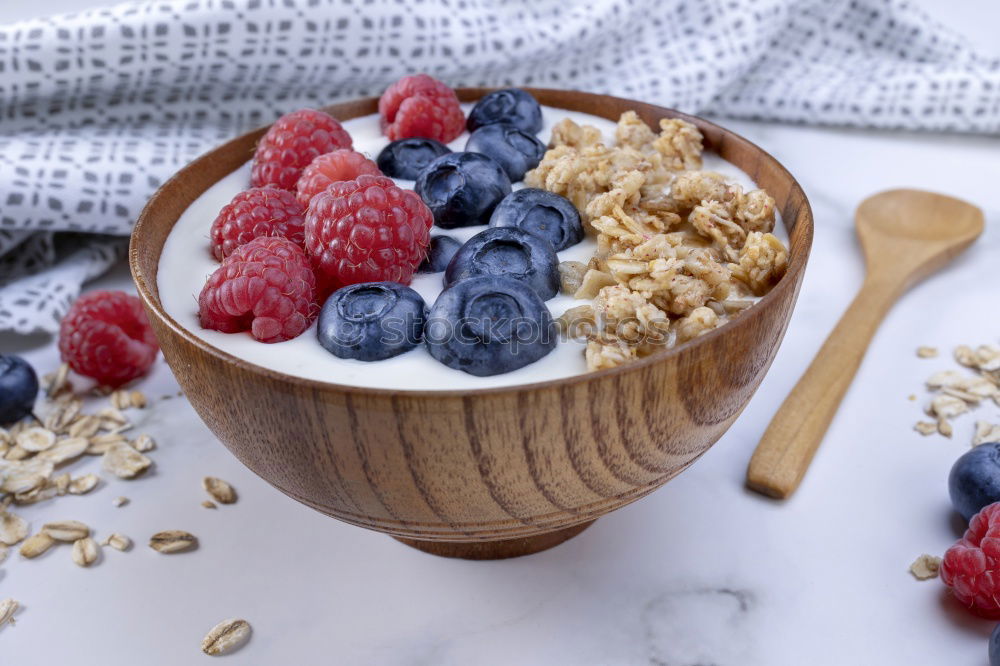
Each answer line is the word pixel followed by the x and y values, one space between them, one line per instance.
pixel 971 568
pixel 261 211
pixel 106 336
pixel 421 106
pixel 366 230
pixel 266 287
pixel 293 141
pixel 343 164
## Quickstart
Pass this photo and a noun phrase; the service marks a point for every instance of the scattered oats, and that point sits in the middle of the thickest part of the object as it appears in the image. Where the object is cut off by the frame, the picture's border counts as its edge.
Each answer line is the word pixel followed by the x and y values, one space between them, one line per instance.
pixel 119 501
pixel 36 545
pixel 66 530
pixel 225 637
pixel 56 382
pixel 17 453
pixel 118 542
pixel 927 352
pixel 947 406
pixel 36 439
pixel 944 427
pixel 138 399
pixel 7 609
pixel 986 432
pixel 172 541
pixel 925 567
pixel 964 396
pixel 100 444
pixel 82 485
pixel 23 477
pixel 944 378
pixel 61 483
pixel 965 356
pixel 13 528
pixel 143 443
pixel 66 449
pixel 121 399
pixel 911 397
pixel 125 462
pixel 111 417
pixel 5 437
pixel 209 504
pixel 85 426
pixel 65 413
pixel 39 494
pixel 221 492
pixel 925 427
pixel 85 551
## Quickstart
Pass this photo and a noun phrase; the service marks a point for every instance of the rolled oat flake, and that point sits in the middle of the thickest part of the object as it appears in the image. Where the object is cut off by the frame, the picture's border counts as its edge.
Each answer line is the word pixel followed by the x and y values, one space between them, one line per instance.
pixel 7 609
pixel 172 541
pixel 225 637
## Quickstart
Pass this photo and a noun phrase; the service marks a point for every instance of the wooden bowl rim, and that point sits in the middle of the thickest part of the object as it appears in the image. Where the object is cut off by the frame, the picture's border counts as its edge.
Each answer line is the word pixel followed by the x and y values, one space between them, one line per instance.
pixel 796 265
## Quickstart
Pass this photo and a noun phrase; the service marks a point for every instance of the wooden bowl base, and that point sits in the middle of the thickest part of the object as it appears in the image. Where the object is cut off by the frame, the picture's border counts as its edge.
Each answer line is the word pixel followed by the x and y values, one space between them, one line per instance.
pixel 496 550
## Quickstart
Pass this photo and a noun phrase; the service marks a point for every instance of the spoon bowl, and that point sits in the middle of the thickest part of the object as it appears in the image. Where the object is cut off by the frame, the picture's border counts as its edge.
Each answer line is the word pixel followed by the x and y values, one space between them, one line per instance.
pixel 913 233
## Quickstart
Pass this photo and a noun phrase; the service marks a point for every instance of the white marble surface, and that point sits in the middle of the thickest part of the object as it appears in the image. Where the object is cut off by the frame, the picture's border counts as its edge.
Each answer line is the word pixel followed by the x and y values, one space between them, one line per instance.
pixel 701 572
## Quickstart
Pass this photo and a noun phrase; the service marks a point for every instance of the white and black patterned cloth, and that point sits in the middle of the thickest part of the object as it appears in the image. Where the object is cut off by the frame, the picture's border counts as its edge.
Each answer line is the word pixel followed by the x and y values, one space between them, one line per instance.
pixel 97 109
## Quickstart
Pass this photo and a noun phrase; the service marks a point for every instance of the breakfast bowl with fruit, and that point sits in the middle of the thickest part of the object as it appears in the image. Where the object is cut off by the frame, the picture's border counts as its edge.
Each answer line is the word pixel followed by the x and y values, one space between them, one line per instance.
pixel 473 319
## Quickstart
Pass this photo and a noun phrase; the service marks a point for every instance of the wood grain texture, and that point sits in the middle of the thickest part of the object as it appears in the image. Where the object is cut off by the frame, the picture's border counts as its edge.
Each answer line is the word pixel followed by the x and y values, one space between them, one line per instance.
pixel 490 465
pixel 906 235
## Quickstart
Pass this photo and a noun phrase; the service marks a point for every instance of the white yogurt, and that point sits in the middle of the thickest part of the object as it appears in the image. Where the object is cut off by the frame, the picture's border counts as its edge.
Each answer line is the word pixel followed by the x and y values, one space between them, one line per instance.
pixel 186 262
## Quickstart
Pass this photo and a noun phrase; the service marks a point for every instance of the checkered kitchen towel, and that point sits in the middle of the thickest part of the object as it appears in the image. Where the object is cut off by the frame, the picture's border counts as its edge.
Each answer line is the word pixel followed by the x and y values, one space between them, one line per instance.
pixel 97 109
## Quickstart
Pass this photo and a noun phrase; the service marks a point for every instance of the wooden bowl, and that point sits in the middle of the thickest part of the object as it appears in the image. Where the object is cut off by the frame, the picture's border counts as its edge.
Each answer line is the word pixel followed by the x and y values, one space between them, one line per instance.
pixel 483 473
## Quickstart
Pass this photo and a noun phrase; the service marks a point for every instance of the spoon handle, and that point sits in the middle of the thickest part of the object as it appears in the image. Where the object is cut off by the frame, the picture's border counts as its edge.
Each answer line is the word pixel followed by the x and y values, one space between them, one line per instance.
pixel 795 432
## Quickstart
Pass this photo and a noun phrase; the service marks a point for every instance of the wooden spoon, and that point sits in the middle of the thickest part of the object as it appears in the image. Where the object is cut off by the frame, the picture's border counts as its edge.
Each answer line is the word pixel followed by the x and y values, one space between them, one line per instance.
pixel 906 236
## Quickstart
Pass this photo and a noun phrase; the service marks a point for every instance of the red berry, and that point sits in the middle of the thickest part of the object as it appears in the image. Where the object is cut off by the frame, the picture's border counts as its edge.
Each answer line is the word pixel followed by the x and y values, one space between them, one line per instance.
pixel 421 106
pixel 293 141
pixel 266 286
pixel 261 211
pixel 106 336
pixel 971 568
pixel 343 164
pixel 366 230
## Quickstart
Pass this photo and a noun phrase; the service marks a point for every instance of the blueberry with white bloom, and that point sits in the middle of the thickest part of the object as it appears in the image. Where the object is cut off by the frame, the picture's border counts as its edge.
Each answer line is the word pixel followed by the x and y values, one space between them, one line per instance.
pixel 511 253
pixel 371 321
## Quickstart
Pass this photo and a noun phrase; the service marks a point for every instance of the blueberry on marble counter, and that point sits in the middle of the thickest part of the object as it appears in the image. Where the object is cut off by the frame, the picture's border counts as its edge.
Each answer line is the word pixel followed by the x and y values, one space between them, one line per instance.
pixel 371 321
pixel 515 150
pixel 974 481
pixel 406 158
pixel 995 646
pixel 542 213
pixel 18 388
pixel 462 189
pixel 512 105
pixel 489 326
pixel 439 254
pixel 511 253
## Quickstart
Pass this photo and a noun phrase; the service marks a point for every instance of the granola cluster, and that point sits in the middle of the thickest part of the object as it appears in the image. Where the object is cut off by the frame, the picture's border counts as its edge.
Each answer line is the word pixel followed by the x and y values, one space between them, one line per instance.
pixel 680 250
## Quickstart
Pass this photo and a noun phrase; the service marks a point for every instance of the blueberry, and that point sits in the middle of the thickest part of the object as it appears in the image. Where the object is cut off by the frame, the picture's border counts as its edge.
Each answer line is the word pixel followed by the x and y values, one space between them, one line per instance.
pixel 974 481
pixel 508 252
pixel 513 106
pixel 18 388
pixel 371 321
pixel 995 646
pixel 488 326
pixel 544 214
pixel 439 254
pixel 406 158
pixel 462 189
pixel 515 150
